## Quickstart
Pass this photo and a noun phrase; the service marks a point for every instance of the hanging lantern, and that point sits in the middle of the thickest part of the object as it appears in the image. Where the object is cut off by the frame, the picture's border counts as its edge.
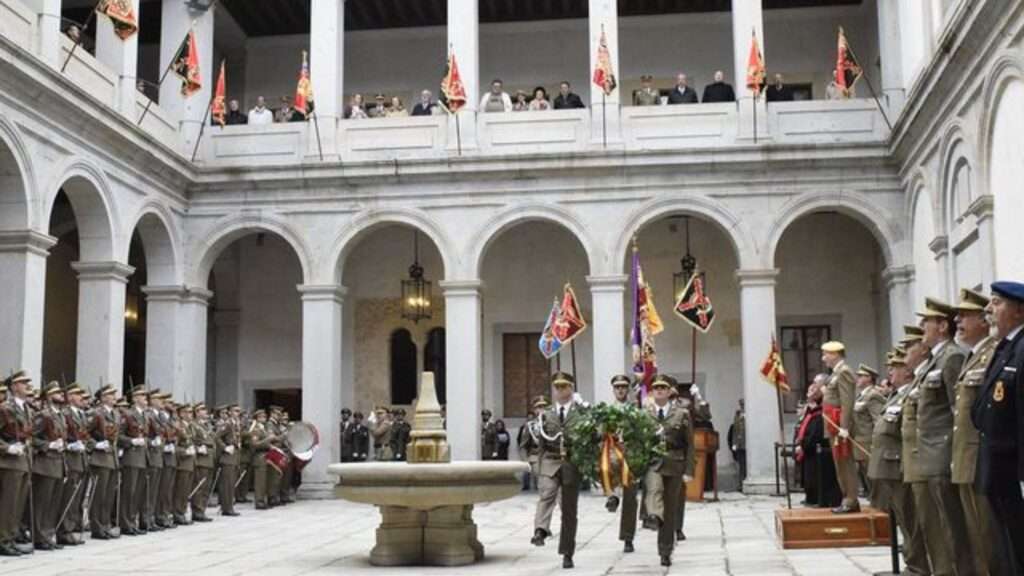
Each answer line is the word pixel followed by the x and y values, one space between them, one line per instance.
pixel 687 265
pixel 416 291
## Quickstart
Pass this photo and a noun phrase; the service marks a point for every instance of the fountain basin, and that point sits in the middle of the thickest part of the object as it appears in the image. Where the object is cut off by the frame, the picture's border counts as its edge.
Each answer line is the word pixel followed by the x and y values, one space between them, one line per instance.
pixel 427 509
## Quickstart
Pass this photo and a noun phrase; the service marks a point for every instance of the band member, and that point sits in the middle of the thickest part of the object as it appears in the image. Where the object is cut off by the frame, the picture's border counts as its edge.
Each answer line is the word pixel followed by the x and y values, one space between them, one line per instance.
pixel 664 480
pixel 839 398
pixel 186 464
pixel 866 410
pixel 76 458
pixel 48 442
pixel 229 436
pixel 205 442
pixel 15 438
pixel 557 473
pixel 104 430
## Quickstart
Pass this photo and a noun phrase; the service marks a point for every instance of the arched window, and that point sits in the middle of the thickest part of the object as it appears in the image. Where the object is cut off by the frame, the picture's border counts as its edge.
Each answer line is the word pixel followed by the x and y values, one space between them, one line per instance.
pixel 403 367
pixel 963 196
pixel 434 361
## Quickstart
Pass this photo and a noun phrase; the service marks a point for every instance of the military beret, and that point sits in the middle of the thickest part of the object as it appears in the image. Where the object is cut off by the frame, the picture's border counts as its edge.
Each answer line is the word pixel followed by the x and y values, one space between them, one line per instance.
pixel 971 301
pixel 833 346
pixel 620 380
pixel 563 379
pixel 1010 290
pixel 865 370
pixel 661 381
pixel 935 308
pixel 540 402
pixel 51 389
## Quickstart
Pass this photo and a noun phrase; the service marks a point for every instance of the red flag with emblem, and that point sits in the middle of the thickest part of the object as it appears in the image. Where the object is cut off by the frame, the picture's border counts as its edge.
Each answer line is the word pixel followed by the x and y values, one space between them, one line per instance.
pixel 304 89
pixel 755 66
pixel 122 16
pixel 848 70
pixel 186 65
pixel 570 322
pixel 218 108
pixel 694 306
pixel 604 75
pixel 453 93
pixel 772 369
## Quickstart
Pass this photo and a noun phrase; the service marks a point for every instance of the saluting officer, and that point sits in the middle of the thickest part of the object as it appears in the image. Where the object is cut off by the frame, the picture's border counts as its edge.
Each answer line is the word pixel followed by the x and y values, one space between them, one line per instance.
pixel 866 410
pixel 838 401
pixel 998 414
pixel 557 472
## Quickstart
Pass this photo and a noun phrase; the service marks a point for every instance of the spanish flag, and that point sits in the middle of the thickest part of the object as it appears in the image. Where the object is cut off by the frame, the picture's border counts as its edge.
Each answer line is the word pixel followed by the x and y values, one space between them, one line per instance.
pixel 755 66
pixel 304 90
pixel 453 93
pixel 848 71
pixel 772 369
pixel 122 16
pixel 186 65
pixel 218 108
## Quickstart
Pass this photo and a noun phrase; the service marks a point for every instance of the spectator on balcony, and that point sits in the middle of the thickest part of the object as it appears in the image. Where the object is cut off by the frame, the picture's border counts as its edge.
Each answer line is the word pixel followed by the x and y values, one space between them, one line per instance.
pixel 566 98
pixel 719 90
pixel 356 110
pixel 647 95
pixel 540 99
pixel 396 109
pixel 497 100
pixel 74 33
pixel 426 106
pixel 284 111
pixel 682 94
pixel 235 115
pixel 834 92
pixel 261 114
pixel 379 109
pixel 520 104
pixel 778 91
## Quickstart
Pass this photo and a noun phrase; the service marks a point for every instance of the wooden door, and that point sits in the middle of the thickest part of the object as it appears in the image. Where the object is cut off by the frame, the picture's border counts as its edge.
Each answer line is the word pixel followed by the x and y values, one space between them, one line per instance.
pixel 525 372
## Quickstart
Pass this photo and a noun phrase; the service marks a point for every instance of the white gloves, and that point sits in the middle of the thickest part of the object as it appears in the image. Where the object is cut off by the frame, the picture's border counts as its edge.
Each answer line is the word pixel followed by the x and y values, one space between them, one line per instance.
pixel 138 441
pixel 191 451
pixel 844 433
pixel 695 391
pixel 57 445
pixel 372 419
pixel 229 449
pixel 735 447
pixel 156 442
pixel 687 478
pixel 16 449
pixel 202 450
pixel 168 448
pixel 77 447
pixel 102 446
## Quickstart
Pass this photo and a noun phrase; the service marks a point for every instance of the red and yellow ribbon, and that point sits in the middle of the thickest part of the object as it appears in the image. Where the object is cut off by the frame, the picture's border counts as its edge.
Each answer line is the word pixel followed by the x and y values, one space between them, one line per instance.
pixel 608 447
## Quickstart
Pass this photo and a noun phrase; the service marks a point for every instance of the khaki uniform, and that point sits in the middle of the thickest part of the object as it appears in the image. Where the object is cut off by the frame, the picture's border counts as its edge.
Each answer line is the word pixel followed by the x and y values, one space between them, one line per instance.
pixel 165 494
pixel 558 474
pixel 104 427
pixel 888 489
pixel 205 442
pixel 489 441
pixel 259 443
pixel 646 97
pixel 976 506
pixel 76 422
pixel 229 437
pixel 134 462
pixel 664 480
pixel 381 432
pixel 185 470
pixel 154 468
pixel 15 429
pixel 935 447
pixel 840 391
pixel 47 472
pixel 866 411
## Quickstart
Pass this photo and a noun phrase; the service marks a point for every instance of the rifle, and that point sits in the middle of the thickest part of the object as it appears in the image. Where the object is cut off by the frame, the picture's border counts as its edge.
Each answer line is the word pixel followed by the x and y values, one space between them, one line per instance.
pixel 209 493
pixel 70 502
pixel 196 489
pixel 239 481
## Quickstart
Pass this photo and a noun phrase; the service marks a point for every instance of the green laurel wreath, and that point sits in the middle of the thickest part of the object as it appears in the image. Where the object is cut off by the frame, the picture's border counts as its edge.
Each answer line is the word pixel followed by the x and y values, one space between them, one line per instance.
pixel 639 433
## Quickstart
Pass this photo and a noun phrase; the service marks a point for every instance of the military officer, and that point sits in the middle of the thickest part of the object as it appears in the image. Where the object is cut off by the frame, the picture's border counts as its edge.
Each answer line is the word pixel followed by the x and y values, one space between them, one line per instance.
pixel 360 439
pixel 888 490
pixel 229 437
pixel 973 333
pixel 997 413
pixel 488 436
pixel 258 440
pixel 347 441
pixel 205 441
pixel 380 429
pixel 664 480
pixel 688 397
pixel 738 439
pixel 186 464
pixel 77 461
pixel 134 462
pixel 168 418
pixel 935 427
pixel 621 386
pixel 15 467
pixel 557 472
pixel 288 474
pixel 400 435
pixel 839 399
pixel 647 95
pixel 104 430
pixel 866 410
pixel 155 460
pixel 529 447
pixel 245 472
pixel 49 433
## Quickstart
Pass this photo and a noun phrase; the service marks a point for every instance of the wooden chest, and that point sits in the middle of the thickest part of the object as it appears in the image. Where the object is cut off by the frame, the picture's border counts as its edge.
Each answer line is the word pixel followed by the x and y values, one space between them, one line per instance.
pixel 820 528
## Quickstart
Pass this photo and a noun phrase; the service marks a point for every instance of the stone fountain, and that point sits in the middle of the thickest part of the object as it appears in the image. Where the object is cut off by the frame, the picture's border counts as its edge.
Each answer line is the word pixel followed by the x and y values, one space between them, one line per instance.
pixel 426 504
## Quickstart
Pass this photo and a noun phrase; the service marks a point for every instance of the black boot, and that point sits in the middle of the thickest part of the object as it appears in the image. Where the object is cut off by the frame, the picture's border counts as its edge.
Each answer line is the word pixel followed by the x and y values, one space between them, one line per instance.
pixel 567 561
pixel 666 560
pixel 538 537
pixel 628 547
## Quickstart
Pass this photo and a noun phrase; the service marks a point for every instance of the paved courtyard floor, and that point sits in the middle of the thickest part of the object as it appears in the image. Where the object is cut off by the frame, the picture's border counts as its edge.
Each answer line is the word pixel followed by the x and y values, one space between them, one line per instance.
pixel 732 537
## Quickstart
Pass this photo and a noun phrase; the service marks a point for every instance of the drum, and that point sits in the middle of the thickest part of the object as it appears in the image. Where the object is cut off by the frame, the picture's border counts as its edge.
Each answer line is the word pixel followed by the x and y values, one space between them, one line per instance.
pixel 276 458
pixel 304 441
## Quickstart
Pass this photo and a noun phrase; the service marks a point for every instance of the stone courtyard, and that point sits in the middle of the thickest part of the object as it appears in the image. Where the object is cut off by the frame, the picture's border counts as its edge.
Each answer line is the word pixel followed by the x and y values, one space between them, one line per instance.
pixel 733 537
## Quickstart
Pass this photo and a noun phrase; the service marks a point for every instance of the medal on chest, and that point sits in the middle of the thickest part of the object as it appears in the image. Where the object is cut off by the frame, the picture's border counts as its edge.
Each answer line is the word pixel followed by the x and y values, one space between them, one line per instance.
pixel 999 393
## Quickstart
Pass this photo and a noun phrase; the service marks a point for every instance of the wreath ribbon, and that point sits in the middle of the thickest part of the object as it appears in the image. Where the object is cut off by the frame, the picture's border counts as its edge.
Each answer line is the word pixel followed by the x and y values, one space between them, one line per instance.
pixel 609 446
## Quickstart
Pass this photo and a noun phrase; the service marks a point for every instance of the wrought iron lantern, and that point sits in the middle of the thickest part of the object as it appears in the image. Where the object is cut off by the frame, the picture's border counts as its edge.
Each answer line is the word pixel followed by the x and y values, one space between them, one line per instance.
pixel 416 291
pixel 688 265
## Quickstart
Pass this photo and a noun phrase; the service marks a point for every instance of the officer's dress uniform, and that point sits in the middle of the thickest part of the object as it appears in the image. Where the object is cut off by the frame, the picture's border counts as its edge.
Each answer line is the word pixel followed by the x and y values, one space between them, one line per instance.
pixel 867 409
pixel 104 427
pixel 998 414
pixel 259 444
pixel 557 473
pixel 134 463
pixel 361 440
pixel 206 447
pixel 165 493
pixel 230 439
pixel 185 471
pixel 15 430
pixel 839 398
pixel 48 428
pixel 154 468
pixel 347 440
pixel 664 480
pixel 76 423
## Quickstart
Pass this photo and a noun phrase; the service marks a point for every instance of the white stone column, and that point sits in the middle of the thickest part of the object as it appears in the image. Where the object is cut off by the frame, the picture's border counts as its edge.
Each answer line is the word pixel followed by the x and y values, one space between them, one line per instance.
pixel 892 62
pixel 747 17
pixel 163 305
pixel 101 295
pixel 321 380
pixel 757 316
pixel 47 44
pixel 192 321
pixel 982 208
pixel 327 71
pixel 607 293
pixel 464 40
pixel 899 281
pixel 604 113
pixel 464 365
pixel 23 269
pixel 122 57
pixel 177 20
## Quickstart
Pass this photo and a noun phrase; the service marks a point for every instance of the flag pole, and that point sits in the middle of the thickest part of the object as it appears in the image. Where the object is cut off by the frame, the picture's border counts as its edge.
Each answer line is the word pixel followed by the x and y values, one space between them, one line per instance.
pixel 316 127
pixel 871 87
pixel 202 128
pixel 458 133
pixel 753 102
pixel 149 101
pixel 604 120
pixel 572 348
pixel 78 42
pixel 782 433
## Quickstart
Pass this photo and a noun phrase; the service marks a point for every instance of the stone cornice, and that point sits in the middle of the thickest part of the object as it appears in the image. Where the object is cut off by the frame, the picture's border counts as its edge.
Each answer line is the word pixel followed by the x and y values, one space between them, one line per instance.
pixel 615 284
pixel 461 288
pixel 89 271
pixel 766 277
pixel 26 241
pixel 165 293
pixel 939 245
pixel 895 275
pixel 322 292
pixel 983 207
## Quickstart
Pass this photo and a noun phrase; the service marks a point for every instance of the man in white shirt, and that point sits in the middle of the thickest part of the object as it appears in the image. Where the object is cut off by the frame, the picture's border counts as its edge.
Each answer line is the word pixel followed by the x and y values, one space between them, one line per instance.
pixel 261 114
pixel 497 100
